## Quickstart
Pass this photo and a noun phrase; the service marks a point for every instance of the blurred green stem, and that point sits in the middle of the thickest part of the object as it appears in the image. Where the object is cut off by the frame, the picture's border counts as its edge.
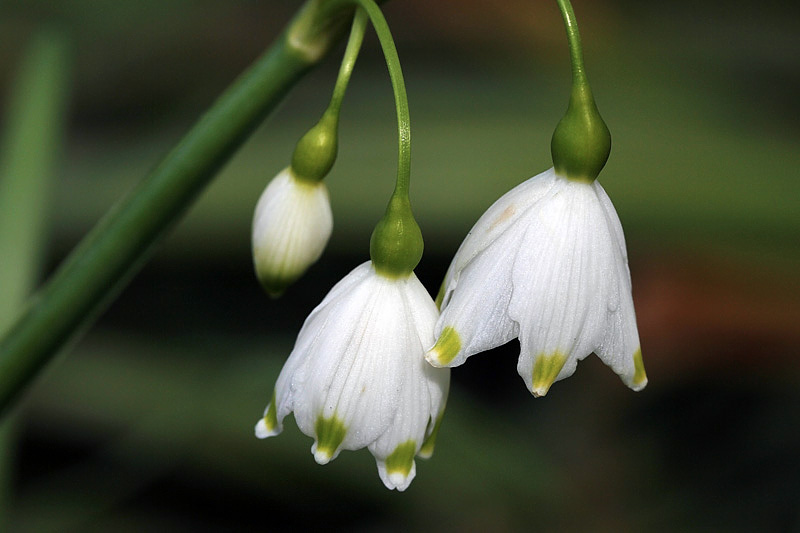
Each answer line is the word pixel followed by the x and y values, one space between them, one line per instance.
pixel 348 61
pixel 116 248
pixel 574 39
pixel 399 88
pixel 31 141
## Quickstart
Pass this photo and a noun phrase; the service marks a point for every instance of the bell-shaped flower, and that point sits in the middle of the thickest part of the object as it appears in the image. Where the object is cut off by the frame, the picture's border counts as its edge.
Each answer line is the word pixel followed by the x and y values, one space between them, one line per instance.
pixel 291 226
pixel 357 375
pixel 547 264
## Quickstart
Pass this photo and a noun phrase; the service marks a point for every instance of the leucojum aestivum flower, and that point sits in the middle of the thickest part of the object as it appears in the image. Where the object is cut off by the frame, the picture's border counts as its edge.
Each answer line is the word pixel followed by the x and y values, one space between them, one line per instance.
pixel 357 376
pixel 546 264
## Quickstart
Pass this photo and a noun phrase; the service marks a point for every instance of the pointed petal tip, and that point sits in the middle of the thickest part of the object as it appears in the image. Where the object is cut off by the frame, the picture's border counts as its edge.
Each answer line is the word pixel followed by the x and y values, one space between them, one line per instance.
pixel 275 286
pixel 433 358
pixel 398 469
pixel 546 369
pixel 539 392
pixel 398 481
pixel 322 457
pixel 263 430
pixel 330 433
pixel 447 347
pixel 426 452
pixel 639 375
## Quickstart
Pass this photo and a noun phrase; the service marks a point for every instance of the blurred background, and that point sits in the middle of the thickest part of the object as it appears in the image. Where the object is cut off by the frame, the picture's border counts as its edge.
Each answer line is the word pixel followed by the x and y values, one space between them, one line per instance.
pixel 146 423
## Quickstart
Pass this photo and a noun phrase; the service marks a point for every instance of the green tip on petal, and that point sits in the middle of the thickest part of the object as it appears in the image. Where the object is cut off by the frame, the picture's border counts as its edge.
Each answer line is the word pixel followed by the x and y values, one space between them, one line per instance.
pixel 545 371
pixel 330 433
pixel 271 417
pixel 639 375
pixel 430 442
pixel 268 425
pixel 446 348
pixel 401 460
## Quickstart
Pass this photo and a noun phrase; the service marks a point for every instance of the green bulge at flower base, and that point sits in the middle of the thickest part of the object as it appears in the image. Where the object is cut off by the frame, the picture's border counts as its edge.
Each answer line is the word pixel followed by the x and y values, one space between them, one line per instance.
pixel 396 244
pixel 581 142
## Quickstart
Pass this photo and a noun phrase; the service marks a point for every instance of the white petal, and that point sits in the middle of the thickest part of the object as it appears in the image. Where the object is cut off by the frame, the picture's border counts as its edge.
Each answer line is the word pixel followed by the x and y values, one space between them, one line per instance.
pixel 351 370
pixel 422 394
pixel 291 226
pixel 396 479
pixel 559 277
pixel 502 215
pixel 620 348
pixel 477 313
pixel 476 316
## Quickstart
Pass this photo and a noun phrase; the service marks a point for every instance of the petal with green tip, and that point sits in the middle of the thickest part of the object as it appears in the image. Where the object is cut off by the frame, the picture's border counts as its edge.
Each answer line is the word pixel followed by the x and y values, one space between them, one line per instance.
pixel 330 433
pixel 399 469
pixel 545 371
pixel 446 348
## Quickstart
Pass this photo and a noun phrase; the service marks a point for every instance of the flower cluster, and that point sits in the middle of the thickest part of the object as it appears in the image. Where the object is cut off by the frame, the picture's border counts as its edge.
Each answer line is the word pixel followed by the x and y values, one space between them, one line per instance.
pixel 546 264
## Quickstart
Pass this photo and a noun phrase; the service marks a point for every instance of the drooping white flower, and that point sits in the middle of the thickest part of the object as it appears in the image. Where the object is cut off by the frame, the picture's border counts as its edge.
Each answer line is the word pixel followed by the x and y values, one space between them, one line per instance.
pixel 291 226
pixel 546 263
pixel 357 375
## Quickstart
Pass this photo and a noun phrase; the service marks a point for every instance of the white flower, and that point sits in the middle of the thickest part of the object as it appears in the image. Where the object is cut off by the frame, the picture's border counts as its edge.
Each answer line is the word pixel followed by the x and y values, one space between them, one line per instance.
pixel 291 226
pixel 546 263
pixel 357 375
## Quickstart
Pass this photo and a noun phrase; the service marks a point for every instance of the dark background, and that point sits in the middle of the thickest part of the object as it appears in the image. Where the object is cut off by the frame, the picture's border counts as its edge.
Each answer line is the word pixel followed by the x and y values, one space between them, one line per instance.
pixel 146 424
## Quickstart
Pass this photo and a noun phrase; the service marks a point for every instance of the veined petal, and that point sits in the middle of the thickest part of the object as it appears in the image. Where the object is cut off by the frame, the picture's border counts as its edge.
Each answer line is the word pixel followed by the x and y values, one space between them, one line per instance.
pixel 502 215
pixel 620 348
pixel 353 371
pixel 357 375
pixel 422 393
pixel 291 226
pixel 436 381
pixel 291 380
pixel 559 277
pixel 475 318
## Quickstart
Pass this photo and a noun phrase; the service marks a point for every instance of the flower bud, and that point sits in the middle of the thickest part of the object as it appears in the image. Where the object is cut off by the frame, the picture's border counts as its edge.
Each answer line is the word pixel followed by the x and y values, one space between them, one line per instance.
pixel 291 226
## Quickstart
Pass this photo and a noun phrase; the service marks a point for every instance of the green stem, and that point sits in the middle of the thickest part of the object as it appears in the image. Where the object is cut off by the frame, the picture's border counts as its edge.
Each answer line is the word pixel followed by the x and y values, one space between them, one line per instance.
pixel 575 47
pixel 31 140
pixel 349 60
pixel 398 86
pixel 316 151
pixel 581 143
pixel 396 244
pixel 121 242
